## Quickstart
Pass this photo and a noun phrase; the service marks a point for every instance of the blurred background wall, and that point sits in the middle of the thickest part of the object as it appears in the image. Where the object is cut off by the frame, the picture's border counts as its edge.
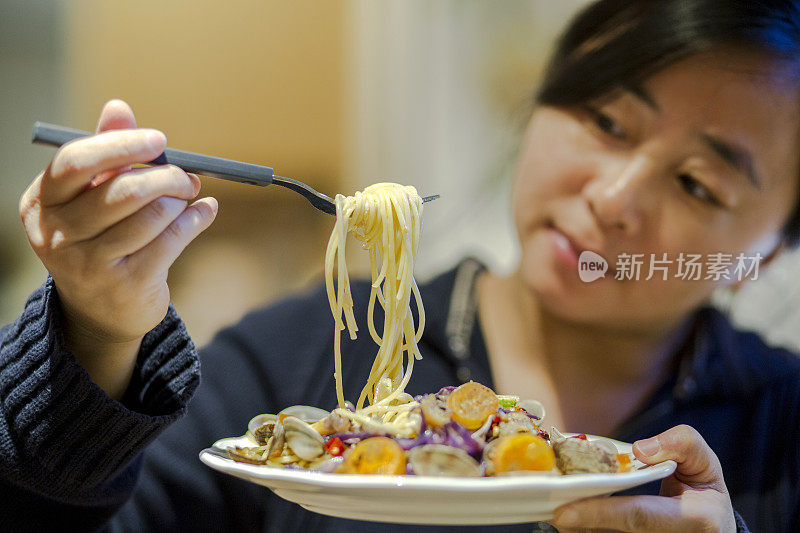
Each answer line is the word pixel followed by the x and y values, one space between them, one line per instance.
pixel 337 93
pixel 31 86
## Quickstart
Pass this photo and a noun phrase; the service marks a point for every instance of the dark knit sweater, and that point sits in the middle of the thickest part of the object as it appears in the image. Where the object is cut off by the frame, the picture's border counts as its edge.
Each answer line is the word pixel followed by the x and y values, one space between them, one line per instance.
pixel 71 458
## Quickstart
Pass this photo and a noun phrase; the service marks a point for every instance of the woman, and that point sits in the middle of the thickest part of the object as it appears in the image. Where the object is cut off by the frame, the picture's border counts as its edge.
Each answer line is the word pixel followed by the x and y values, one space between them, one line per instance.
pixel 663 127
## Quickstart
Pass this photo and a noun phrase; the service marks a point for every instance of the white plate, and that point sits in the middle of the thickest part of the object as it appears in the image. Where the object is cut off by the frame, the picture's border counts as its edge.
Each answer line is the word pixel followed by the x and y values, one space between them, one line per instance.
pixel 432 500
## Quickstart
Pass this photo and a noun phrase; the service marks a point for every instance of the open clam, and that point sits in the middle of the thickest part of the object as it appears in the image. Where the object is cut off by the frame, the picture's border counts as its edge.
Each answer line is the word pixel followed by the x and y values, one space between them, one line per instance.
pixel 304 441
pixel 441 460
pixel 598 442
pixel 577 455
pixel 604 444
pixel 276 441
pixel 306 413
pixel 261 428
pixel 532 407
pixel 253 455
pixel 556 435
pixel 333 423
pixel 515 422
pixel 482 433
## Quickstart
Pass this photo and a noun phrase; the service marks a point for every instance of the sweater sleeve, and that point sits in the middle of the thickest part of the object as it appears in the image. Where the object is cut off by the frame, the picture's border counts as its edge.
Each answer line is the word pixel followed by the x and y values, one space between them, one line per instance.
pixel 741 526
pixel 269 360
pixel 67 450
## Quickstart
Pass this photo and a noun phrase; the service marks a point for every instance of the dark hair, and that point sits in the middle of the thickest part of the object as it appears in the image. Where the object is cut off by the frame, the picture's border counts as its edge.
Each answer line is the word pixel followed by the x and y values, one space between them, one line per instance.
pixel 617 43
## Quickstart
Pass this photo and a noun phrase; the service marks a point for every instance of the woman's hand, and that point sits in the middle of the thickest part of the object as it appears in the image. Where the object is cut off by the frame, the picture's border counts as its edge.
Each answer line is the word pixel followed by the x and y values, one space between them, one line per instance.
pixel 694 498
pixel 108 235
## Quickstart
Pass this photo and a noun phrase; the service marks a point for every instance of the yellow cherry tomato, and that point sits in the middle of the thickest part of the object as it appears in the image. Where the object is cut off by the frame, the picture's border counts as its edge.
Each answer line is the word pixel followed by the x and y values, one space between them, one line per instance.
pixel 522 451
pixel 471 404
pixel 376 455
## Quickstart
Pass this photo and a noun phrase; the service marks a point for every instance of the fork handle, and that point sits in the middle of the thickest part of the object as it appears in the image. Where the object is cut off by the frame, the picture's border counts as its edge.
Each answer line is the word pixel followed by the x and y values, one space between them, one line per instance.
pixel 207 165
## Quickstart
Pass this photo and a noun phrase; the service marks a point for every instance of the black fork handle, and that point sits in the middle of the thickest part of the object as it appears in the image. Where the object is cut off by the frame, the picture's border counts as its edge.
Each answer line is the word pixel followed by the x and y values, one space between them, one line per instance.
pixel 207 165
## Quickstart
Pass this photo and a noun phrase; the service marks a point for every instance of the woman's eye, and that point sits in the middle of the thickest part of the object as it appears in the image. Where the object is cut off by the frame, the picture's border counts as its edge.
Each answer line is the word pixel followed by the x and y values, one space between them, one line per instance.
pixel 607 125
pixel 694 188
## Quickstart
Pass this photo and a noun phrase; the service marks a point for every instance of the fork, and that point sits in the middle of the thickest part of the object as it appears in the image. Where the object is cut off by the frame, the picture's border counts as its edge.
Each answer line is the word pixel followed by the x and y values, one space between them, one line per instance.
pixel 207 165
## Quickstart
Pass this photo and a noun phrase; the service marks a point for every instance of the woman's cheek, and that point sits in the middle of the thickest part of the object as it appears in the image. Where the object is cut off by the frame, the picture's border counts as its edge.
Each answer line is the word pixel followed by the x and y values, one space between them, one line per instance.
pixel 555 162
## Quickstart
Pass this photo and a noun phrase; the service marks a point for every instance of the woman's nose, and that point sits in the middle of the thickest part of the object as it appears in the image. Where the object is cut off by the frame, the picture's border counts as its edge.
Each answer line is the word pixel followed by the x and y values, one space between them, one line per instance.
pixel 616 195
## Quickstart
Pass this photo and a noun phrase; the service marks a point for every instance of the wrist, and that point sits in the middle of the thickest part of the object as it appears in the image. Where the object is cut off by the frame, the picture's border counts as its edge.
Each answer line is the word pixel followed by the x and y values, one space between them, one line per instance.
pixel 109 361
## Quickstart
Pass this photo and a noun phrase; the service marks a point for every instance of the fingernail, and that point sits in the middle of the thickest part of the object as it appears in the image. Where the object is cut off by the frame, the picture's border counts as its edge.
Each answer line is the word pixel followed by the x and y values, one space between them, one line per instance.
pixel 195 183
pixel 157 140
pixel 213 204
pixel 567 517
pixel 648 446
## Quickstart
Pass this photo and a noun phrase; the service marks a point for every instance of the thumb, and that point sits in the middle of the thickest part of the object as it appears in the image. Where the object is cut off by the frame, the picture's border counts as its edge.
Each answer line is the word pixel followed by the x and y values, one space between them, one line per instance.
pixel 697 462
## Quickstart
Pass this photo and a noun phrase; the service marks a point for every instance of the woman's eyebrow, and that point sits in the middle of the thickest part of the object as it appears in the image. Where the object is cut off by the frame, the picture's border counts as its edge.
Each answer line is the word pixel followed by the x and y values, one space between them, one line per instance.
pixel 737 157
pixel 643 95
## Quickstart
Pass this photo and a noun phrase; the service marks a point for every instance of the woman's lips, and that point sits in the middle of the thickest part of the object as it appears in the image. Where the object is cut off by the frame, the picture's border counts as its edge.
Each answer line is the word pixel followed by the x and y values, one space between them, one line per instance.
pixel 568 251
pixel 563 248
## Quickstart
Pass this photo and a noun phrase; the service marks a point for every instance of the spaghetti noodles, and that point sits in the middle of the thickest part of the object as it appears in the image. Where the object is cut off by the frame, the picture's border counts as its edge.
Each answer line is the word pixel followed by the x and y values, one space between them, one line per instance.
pixel 386 218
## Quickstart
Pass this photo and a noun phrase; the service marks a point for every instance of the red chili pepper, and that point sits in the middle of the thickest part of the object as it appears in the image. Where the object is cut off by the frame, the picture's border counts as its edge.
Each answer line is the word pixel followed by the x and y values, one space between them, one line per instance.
pixel 581 436
pixel 496 419
pixel 335 447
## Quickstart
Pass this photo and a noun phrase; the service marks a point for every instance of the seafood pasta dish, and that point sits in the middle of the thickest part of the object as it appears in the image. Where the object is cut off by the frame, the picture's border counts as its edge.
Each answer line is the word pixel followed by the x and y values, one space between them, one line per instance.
pixel 457 431
pixel 467 431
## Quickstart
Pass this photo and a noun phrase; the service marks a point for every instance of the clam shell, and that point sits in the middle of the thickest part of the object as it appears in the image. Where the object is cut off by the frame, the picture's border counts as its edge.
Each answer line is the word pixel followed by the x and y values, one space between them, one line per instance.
pixel 305 441
pixel 482 432
pixel 605 445
pixel 251 455
pixel 488 452
pixel 577 456
pixel 533 407
pixel 441 460
pixel 258 421
pixel 276 441
pixel 328 465
pixel 599 442
pixel 306 413
pixel 556 435
pixel 516 422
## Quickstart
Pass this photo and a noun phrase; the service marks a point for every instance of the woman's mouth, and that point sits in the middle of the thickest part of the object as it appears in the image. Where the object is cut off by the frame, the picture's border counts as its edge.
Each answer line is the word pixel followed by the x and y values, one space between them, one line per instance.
pixel 563 248
pixel 568 252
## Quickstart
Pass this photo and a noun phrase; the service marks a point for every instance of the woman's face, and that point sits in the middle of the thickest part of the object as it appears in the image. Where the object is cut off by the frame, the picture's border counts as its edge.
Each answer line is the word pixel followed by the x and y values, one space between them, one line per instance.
pixel 702 158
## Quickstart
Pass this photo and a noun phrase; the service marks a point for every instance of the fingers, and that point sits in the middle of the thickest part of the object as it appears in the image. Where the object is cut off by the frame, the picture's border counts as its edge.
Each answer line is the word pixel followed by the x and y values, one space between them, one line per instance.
pixel 697 462
pixel 96 210
pixel 115 115
pixel 624 513
pixel 77 161
pixel 159 254
pixel 138 230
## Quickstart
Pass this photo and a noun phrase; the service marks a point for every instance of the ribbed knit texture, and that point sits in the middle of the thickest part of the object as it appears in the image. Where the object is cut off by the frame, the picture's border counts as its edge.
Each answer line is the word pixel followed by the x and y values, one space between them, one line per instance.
pixel 61 436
